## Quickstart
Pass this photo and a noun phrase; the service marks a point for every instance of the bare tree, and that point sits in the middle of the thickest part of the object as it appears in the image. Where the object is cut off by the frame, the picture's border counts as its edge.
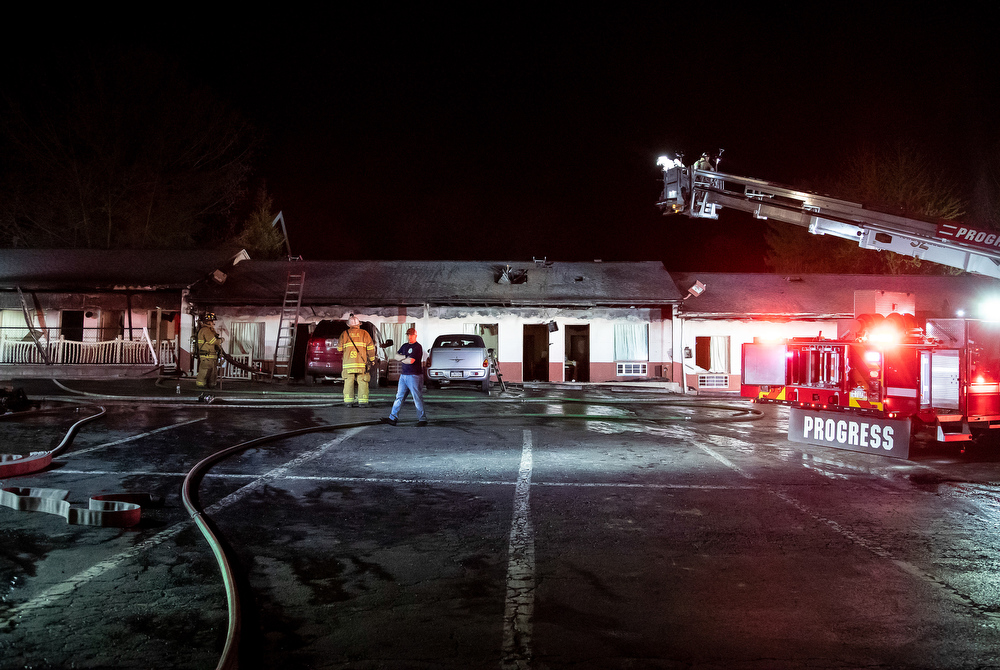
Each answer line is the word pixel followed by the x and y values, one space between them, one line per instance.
pixel 118 152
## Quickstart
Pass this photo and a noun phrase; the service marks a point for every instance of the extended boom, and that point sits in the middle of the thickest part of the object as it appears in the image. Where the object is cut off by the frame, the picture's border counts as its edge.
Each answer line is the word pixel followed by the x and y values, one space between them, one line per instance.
pixel 702 193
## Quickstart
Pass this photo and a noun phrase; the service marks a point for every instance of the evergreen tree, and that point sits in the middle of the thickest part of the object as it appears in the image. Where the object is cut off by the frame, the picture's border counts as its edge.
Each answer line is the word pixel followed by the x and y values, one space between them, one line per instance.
pixel 262 240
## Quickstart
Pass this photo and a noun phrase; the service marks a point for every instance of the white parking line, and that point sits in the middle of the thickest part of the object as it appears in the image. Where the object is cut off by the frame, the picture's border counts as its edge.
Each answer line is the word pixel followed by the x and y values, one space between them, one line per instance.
pixel 56 591
pixel 870 545
pixel 410 480
pixel 517 620
pixel 134 437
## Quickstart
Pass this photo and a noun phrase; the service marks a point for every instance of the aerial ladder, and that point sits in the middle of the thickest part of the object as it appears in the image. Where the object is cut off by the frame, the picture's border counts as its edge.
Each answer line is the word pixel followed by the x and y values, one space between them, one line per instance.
pixel 701 193
pixel 888 378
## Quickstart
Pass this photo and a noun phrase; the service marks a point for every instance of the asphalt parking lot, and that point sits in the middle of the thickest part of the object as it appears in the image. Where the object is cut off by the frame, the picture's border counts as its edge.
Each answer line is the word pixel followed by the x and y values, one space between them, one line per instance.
pixel 541 528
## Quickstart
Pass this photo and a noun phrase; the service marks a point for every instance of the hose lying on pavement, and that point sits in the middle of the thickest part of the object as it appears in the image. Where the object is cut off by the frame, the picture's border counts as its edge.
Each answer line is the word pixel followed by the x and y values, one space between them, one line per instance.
pixel 13 465
pixel 230 653
pixel 117 510
pixel 229 659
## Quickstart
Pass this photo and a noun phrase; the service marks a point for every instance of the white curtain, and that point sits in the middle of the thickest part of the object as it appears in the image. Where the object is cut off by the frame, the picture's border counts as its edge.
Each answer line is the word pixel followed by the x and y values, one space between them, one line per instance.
pixel 246 338
pixel 13 324
pixel 397 333
pixel 631 342
pixel 719 348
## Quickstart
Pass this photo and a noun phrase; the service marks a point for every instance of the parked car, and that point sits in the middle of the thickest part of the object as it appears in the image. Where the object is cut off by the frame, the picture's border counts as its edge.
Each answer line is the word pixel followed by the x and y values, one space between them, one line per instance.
pixel 458 358
pixel 325 363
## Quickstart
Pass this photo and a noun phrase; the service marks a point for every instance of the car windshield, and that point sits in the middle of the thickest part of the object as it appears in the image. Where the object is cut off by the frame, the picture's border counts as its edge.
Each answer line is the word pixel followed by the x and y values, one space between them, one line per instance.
pixel 458 341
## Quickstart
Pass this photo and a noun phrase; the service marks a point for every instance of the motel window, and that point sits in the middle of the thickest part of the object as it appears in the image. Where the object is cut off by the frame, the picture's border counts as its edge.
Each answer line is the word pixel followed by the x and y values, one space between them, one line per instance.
pixel 395 332
pixel 12 326
pixel 631 342
pixel 488 331
pixel 246 339
pixel 712 353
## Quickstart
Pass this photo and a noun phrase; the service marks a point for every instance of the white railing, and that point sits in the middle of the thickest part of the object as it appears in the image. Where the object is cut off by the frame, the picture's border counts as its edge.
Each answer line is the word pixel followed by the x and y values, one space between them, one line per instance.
pixel 19 352
pixel 168 354
pixel 61 351
pixel 228 371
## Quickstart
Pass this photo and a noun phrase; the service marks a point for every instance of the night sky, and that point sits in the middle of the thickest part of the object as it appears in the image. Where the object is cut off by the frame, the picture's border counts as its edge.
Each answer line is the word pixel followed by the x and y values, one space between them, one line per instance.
pixel 511 136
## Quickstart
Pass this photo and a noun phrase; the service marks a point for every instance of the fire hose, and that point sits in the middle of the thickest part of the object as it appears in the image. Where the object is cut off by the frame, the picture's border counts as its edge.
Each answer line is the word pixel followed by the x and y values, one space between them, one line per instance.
pixel 103 507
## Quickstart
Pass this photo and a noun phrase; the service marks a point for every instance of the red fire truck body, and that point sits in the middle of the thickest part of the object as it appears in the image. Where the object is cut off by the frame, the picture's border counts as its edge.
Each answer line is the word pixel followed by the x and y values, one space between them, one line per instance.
pixel 867 389
pixel 885 374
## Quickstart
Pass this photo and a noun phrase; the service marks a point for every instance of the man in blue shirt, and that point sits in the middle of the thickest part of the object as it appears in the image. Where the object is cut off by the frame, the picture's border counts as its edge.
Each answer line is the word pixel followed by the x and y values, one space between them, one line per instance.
pixel 411 379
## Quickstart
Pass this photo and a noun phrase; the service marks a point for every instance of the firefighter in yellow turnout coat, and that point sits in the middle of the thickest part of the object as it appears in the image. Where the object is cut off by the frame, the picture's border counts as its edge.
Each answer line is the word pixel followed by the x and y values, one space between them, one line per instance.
pixel 209 345
pixel 359 355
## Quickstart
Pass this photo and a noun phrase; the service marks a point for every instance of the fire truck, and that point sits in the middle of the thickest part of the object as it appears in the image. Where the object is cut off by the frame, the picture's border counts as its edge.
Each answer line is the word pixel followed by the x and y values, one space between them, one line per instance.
pixel 886 382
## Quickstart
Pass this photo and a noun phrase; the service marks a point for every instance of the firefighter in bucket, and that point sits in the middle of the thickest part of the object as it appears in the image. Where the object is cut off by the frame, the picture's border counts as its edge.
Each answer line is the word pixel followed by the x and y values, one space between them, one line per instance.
pixel 209 345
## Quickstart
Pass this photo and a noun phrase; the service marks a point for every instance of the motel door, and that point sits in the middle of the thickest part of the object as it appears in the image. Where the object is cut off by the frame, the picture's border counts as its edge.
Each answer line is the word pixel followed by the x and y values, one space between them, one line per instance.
pixel 578 353
pixel 535 361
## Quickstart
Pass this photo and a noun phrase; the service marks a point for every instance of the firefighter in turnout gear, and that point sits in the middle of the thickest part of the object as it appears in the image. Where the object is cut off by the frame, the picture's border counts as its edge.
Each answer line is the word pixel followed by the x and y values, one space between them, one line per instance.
pixel 209 346
pixel 359 356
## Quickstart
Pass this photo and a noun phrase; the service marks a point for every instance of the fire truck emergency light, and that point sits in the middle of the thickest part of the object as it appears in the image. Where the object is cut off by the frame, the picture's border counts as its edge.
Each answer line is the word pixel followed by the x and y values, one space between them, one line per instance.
pixel 885 334
pixel 989 310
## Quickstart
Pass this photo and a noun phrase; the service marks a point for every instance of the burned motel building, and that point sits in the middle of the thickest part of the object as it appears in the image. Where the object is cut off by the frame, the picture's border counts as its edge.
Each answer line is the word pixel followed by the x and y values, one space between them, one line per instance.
pixel 76 313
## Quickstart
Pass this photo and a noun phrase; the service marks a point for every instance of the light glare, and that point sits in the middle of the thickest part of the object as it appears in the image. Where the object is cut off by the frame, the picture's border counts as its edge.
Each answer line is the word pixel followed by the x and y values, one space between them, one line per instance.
pixel 989 310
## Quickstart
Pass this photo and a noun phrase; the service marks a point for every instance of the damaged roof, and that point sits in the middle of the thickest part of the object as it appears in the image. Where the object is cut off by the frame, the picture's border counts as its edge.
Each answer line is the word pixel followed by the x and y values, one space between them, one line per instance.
pixel 759 296
pixel 98 269
pixel 439 283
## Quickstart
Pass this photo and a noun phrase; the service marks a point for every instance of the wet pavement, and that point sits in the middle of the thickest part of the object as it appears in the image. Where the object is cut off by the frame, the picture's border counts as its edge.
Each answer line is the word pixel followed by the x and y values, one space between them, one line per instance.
pixel 661 531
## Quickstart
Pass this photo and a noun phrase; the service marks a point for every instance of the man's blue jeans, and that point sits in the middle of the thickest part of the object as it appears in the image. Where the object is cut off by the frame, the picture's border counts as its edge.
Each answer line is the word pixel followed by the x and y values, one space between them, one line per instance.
pixel 409 384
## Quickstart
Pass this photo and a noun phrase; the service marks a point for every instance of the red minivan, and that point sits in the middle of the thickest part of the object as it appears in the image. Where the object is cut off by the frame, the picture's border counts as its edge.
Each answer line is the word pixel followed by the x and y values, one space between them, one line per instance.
pixel 324 362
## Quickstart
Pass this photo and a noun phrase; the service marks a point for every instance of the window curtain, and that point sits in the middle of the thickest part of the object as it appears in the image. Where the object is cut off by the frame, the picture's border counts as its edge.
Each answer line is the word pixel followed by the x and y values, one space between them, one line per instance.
pixel 397 333
pixel 13 324
pixel 719 348
pixel 631 342
pixel 246 338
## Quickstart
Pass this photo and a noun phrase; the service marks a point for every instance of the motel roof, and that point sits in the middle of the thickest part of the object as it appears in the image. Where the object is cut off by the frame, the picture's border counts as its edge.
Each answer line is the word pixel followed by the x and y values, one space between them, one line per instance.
pixel 447 283
pixel 817 296
pixel 79 270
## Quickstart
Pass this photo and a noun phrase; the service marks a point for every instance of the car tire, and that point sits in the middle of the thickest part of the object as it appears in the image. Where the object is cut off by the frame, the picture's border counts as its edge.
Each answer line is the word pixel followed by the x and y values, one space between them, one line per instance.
pixel 375 377
pixel 309 380
pixel 486 385
pixel 383 379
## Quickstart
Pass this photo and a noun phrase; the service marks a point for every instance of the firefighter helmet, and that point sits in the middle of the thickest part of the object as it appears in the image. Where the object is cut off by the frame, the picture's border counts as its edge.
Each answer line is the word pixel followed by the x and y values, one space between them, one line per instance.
pixel 354 321
pixel 209 316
